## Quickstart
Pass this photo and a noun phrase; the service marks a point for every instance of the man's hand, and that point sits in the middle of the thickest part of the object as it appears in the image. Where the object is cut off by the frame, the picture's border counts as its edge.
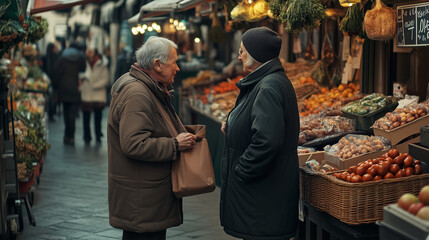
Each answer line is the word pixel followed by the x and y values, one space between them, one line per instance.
pixel 186 141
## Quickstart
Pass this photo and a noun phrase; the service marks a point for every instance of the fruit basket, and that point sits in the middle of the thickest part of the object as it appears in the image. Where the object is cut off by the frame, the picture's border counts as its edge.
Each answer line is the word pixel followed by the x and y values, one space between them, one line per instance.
pixel 356 203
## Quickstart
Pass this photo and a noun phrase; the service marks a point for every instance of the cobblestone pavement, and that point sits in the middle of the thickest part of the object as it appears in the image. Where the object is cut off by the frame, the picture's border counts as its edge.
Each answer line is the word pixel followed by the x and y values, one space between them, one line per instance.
pixel 70 201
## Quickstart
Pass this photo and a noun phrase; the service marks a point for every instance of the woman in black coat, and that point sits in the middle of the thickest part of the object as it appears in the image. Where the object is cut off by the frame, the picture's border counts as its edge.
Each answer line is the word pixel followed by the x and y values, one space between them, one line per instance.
pixel 260 191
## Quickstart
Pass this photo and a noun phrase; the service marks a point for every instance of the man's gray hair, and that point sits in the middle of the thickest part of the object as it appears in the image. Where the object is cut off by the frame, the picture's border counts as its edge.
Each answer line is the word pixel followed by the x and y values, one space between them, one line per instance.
pixel 154 48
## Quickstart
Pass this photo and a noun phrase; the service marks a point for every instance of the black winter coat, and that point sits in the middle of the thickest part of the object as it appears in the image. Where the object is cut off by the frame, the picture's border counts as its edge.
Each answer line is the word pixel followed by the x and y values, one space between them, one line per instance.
pixel 260 191
pixel 71 62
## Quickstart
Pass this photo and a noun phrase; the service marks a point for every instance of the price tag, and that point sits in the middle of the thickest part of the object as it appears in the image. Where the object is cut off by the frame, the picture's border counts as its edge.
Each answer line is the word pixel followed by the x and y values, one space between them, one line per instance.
pixel 348 73
pixel 301 211
pixel 297 49
pixel 346 48
pixel 357 59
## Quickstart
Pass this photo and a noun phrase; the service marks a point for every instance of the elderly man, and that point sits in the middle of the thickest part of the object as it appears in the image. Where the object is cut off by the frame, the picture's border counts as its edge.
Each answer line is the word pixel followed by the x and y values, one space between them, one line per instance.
pixel 141 149
pixel 259 197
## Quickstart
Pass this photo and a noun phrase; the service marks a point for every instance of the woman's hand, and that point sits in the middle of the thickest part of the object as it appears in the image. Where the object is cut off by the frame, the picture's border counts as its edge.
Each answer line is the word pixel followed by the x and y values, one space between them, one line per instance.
pixel 222 127
pixel 186 141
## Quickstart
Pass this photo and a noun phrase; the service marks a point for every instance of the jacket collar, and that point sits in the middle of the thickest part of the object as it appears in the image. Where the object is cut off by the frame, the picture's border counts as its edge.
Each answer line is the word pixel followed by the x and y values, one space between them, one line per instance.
pixel 253 78
pixel 148 81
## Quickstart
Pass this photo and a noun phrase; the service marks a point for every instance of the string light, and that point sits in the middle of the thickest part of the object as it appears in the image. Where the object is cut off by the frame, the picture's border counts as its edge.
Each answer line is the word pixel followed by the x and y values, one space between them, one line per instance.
pixel 142 29
pixel 197 40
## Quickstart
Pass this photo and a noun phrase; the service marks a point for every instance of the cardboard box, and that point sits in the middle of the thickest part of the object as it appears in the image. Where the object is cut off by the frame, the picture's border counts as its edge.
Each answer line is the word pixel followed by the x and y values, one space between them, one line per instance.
pixel 342 164
pixel 400 133
pixel 403 146
pixel 317 155
pixel 419 152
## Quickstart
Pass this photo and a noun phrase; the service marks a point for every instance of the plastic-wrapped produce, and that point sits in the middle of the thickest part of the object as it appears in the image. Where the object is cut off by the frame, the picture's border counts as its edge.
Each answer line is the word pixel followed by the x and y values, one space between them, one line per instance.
pixel 353 145
pixel 401 116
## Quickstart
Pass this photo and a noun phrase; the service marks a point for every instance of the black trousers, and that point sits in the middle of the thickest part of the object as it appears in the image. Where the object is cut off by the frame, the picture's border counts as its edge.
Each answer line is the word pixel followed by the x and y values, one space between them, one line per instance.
pixel 98 112
pixel 161 235
pixel 70 114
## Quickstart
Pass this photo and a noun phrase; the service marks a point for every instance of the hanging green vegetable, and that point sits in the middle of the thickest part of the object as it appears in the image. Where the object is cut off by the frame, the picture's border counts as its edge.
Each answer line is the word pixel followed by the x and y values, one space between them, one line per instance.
pixel 304 14
pixel 37 28
pixel 353 20
pixel 279 8
pixel 298 14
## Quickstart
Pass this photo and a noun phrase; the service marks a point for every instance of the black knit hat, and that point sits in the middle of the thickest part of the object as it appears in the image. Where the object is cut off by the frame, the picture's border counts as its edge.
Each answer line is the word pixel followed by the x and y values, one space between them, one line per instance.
pixel 262 43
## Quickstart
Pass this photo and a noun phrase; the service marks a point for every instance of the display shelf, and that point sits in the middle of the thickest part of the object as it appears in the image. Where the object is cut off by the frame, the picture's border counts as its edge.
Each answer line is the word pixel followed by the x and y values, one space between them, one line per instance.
pixel 319 225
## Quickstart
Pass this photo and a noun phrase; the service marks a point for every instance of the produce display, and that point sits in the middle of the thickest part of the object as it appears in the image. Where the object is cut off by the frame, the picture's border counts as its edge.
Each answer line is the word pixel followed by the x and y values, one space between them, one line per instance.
pixel 318 126
pixel 297 70
pixel 353 145
pixel 368 104
pixel 380 22
pixel 401 116
pixel 390 165
pixel 418 206
pixel 30 132
pixel 332 99
pixel 203 78
pixel 223 104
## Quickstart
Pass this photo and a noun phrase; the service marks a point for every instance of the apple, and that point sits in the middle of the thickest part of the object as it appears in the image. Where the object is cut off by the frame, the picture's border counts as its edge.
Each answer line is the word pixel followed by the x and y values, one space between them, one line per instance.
pixel 424 213
pixel 406 200
pixel 415 207
pixel 424 195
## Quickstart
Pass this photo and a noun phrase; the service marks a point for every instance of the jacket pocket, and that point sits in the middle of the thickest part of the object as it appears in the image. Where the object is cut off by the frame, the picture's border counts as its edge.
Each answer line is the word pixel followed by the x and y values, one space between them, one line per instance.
pixel 122 198
pixel 156 201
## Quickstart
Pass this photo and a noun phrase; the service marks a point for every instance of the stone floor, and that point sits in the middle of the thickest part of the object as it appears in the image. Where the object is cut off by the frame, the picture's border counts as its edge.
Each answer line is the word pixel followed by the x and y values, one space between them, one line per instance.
pixel 70 202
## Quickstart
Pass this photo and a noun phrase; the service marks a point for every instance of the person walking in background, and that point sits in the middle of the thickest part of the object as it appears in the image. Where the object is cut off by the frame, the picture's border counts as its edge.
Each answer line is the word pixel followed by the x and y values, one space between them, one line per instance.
pixel 260 191
pixel 49 61
pixel 141 148
pixel 71 62
pixel 94 92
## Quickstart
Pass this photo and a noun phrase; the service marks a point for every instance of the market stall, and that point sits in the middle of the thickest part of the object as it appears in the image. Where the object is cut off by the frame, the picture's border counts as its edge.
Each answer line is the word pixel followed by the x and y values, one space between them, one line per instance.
pixel 349 112
pixel 23 140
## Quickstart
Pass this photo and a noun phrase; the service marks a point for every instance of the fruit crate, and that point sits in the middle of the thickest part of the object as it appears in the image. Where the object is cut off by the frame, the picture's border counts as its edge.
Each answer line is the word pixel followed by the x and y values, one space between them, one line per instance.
pixel 365 122
pixel 405 222
pixel 356 203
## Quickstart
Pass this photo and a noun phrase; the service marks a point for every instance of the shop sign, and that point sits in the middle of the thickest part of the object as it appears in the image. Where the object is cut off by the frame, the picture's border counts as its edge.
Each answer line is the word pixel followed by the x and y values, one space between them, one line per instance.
pixel 413 25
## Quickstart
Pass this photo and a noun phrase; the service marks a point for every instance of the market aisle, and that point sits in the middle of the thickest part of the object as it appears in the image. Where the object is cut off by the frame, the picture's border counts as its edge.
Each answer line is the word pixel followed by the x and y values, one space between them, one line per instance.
pixel 71 200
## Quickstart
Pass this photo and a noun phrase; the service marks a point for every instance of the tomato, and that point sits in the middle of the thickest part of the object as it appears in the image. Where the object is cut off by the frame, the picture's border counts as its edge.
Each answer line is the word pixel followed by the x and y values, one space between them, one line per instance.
pixel 408 161
pixel 394 168
pixel 393 153
pixel 367 177
pixel 389 175
pixel 418 169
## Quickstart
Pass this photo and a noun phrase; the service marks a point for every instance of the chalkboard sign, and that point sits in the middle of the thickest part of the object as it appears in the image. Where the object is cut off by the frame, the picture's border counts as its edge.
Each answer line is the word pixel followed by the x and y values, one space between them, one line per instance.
pixel 413 25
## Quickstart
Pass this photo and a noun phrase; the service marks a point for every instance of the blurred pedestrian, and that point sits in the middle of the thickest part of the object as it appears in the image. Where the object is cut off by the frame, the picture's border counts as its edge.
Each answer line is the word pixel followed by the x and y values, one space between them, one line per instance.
pixel 94 92
pixel 141 148
pixel 70 63
pixel 260 191
pixel 49 61
pixel 125 60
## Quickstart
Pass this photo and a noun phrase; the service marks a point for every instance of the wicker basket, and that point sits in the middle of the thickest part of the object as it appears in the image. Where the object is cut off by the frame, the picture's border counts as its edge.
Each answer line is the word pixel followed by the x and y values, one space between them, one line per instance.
pixel 356 203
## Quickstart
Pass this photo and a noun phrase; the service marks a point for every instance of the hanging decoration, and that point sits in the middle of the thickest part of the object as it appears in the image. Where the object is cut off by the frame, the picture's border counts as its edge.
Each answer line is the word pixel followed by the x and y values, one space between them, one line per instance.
pixel 380 22
pixel 250 11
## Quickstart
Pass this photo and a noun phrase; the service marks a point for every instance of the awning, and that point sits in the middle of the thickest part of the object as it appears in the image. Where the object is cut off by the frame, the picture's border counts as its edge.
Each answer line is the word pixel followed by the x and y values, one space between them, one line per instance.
pixel 160 7
pixel 38 6
pixel 135 19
